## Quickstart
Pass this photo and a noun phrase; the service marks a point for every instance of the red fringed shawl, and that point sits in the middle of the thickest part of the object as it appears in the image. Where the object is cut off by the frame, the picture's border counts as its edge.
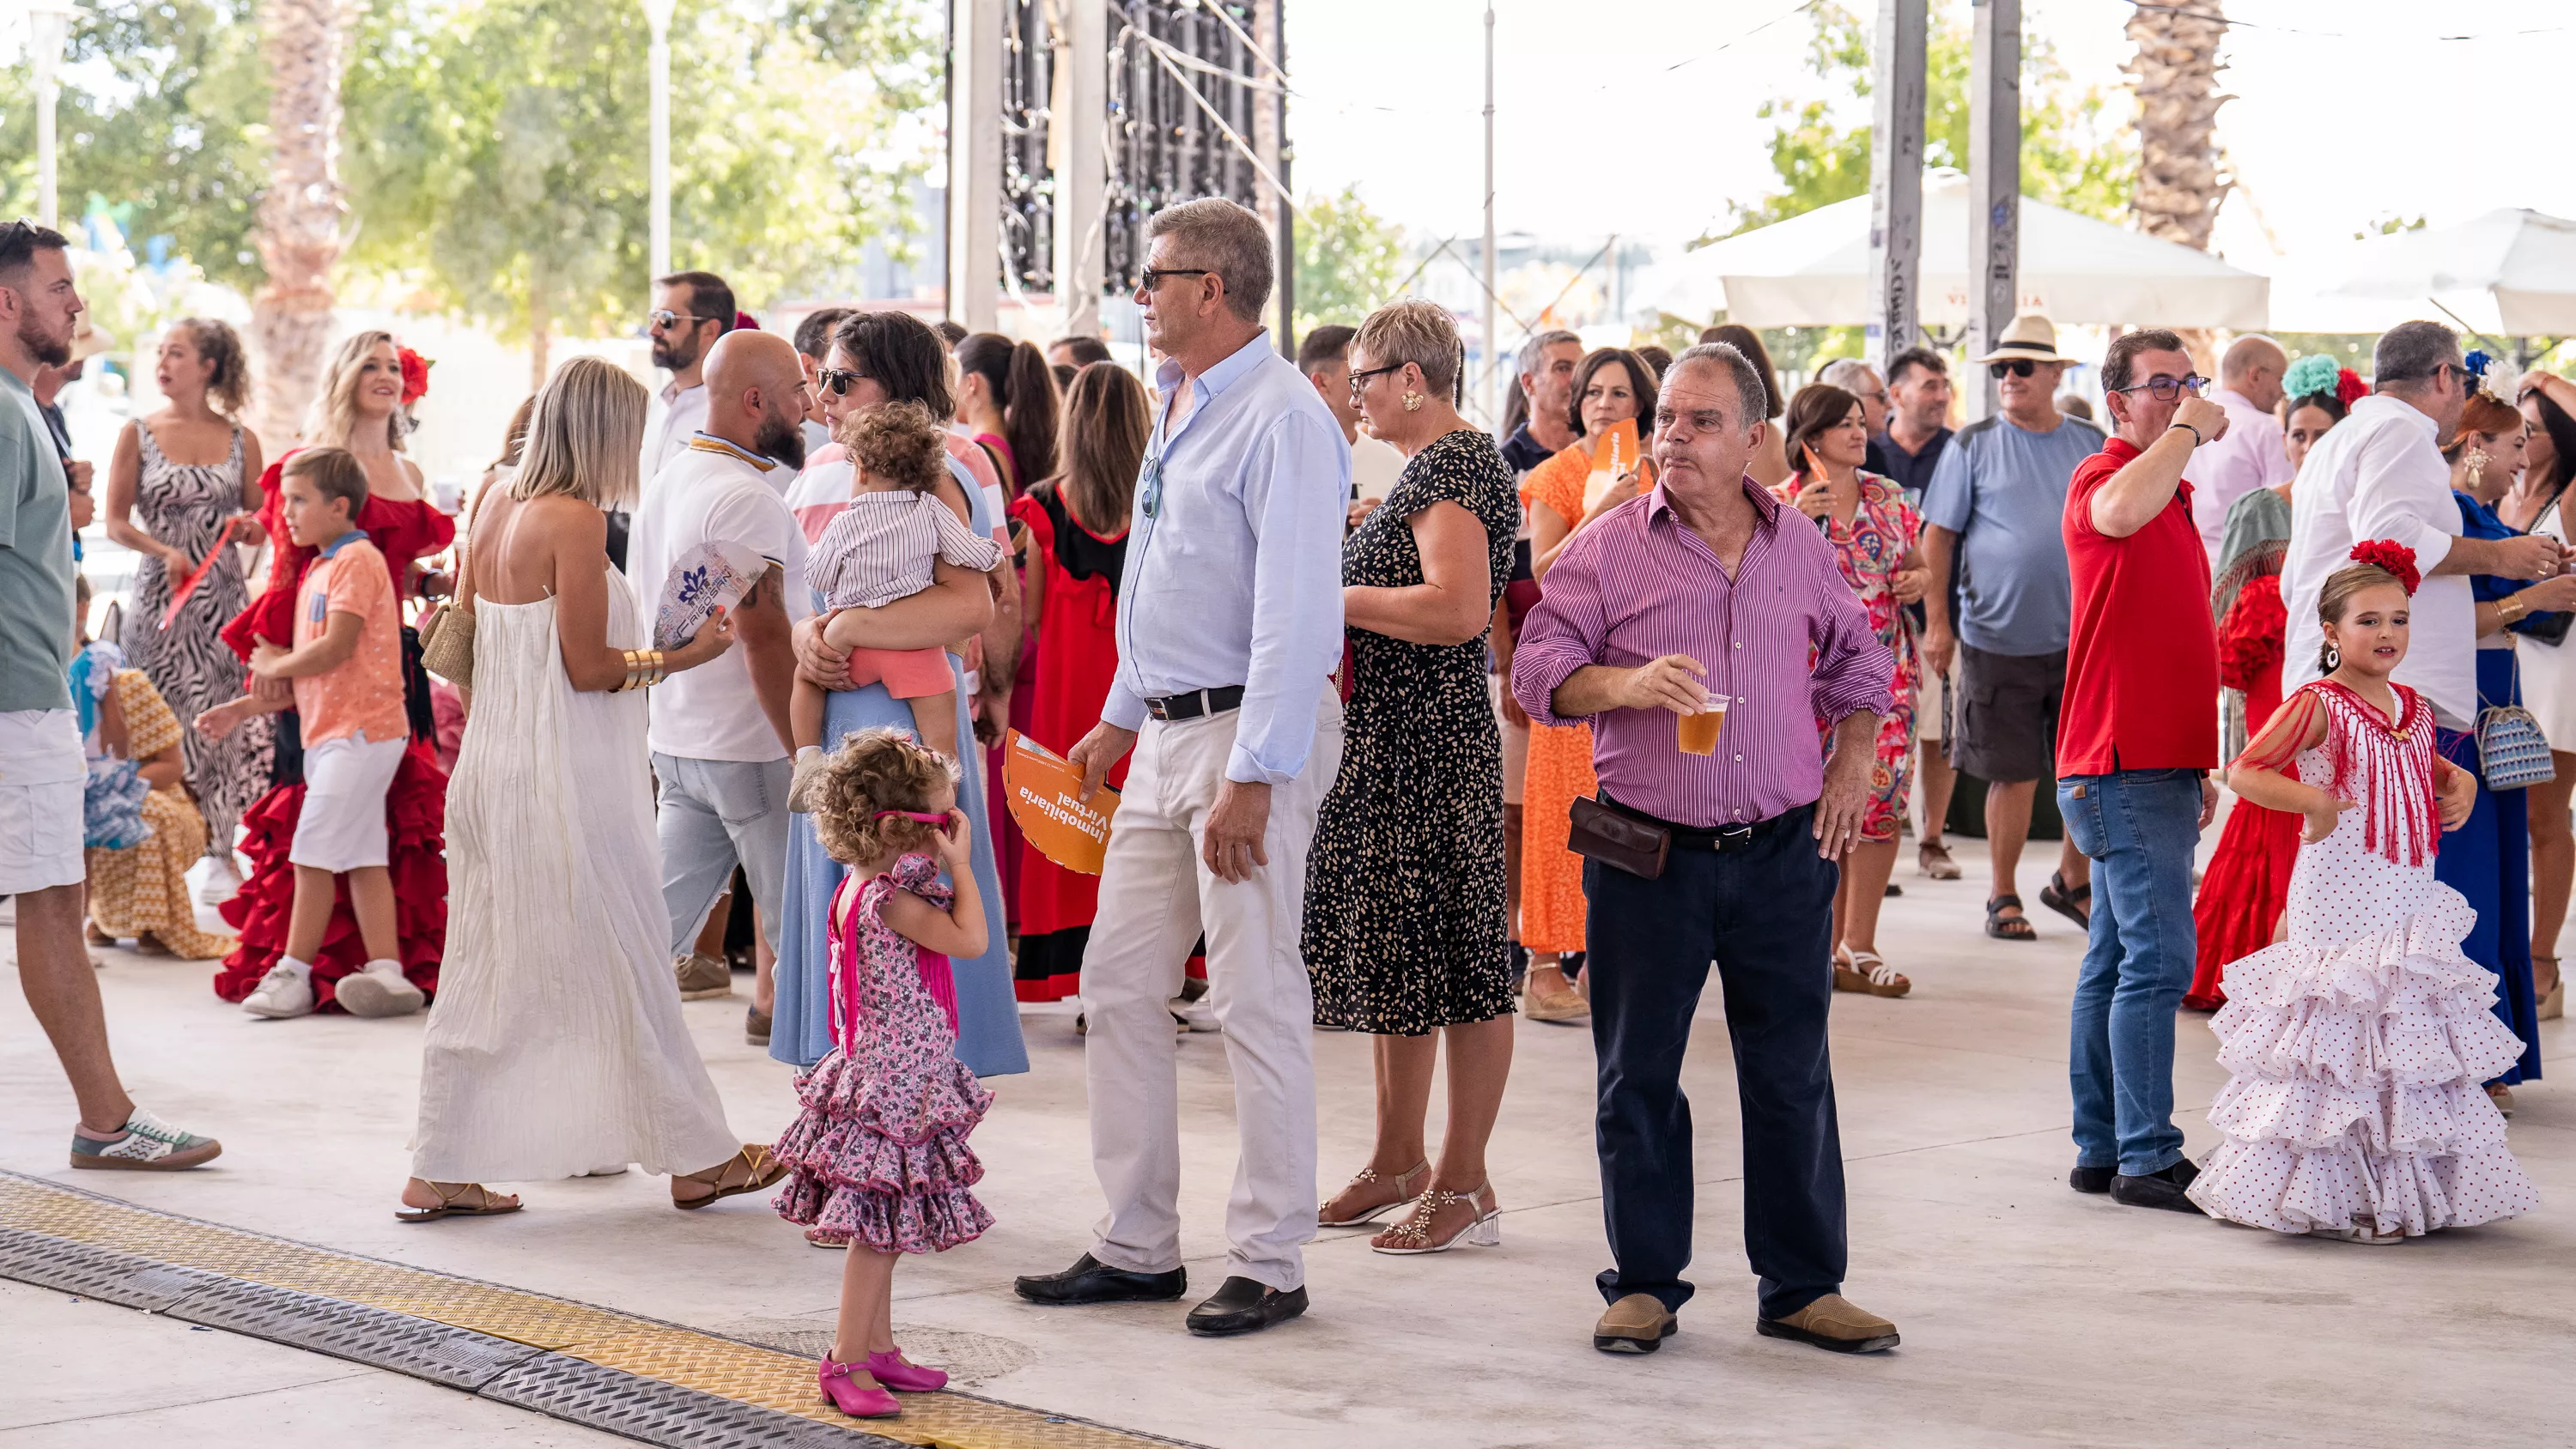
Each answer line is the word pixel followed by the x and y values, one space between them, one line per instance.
pixel 2389 770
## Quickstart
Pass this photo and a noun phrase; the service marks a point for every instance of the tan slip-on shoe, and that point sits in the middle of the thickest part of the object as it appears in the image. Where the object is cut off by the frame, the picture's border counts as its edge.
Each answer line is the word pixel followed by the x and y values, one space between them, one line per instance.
pixel 703 978
pixel 1834 1323
pixel 1638 1323
pixel 1550 997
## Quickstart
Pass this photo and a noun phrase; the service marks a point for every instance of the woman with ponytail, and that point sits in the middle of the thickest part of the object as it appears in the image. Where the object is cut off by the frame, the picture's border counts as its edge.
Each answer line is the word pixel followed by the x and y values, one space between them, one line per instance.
pixel 1006 397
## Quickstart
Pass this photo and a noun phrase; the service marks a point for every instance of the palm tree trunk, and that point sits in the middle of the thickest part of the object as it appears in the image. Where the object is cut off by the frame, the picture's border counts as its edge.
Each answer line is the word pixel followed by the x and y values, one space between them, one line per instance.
pixel 2176 72
pixel 301 231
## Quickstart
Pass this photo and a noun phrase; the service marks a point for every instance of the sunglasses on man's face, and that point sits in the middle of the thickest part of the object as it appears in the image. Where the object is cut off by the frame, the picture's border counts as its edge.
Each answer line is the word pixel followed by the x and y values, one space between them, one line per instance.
pixel 2018 367
pixel 665 319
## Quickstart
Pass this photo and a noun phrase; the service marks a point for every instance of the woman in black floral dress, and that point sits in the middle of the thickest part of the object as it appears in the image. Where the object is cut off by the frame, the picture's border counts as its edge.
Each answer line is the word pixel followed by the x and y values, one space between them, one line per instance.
pixel 1405 932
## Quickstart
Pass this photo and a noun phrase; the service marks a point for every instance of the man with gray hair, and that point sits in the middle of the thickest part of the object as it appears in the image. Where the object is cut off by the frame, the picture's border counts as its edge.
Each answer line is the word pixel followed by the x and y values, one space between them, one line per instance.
pixel 2379 475
pixel 2251 455
pixel 1229 626
pixel 1861 380
pixel 1708 596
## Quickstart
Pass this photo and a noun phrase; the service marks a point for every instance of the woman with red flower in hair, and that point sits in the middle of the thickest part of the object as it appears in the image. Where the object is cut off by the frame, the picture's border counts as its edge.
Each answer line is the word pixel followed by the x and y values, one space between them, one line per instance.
pixel 364 406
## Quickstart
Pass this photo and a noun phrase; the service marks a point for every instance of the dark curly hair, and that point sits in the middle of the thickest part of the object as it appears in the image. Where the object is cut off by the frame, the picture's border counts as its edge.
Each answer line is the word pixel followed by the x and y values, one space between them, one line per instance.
pixel 228 388
pixel 874 770
pixel 900 442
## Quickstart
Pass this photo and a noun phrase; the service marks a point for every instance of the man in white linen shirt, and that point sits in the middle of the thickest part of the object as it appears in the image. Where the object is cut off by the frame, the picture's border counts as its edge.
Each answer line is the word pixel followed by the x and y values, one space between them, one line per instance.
pixel 2250 456
pixel 691 310
pixel 2379 475
pixel 719 732
pixel 1229 626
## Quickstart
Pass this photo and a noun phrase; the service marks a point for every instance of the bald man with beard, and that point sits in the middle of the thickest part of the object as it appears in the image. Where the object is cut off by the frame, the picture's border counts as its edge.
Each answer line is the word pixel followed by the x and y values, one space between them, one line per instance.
pixel 2251 455
pixel 720 736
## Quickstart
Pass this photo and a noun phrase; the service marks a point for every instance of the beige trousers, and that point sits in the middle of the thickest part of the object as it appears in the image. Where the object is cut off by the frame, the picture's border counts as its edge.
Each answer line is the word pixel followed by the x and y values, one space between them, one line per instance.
pixel 1156 897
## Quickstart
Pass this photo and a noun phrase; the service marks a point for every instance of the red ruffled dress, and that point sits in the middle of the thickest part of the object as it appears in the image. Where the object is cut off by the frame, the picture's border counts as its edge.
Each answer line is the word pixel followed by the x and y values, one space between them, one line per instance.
pixel 878 1156
pixel 415 805
pixel 2247 884
pixel 1078 631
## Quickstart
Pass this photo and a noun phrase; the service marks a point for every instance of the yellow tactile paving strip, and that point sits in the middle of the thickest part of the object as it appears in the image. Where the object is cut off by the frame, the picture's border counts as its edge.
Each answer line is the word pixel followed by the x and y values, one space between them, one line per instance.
pixel 665 1352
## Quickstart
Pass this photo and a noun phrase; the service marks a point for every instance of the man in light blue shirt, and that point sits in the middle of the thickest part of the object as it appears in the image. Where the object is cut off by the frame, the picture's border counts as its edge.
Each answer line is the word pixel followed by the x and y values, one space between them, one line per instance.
pixel 1229 626
pixel 1997 503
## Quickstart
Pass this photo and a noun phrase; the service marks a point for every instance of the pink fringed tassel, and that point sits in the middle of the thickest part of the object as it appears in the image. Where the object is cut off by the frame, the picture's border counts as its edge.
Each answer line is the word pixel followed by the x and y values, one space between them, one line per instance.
pixel 940 980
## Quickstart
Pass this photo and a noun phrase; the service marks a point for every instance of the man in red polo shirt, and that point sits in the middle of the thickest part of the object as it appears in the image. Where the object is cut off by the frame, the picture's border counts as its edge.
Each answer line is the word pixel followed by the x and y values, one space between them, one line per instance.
pixel 2136 740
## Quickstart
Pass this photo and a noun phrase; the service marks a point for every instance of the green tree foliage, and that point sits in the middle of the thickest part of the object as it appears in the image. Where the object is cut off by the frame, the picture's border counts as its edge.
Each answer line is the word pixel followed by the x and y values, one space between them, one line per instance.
pixel 1349 259
pixel 498 150
pixel 2070 157
pixel 163 120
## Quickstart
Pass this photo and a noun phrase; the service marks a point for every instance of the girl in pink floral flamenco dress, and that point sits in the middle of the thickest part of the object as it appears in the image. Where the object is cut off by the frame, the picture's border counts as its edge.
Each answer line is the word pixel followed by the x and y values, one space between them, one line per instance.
pixel 878 1157
pixel 2358 1044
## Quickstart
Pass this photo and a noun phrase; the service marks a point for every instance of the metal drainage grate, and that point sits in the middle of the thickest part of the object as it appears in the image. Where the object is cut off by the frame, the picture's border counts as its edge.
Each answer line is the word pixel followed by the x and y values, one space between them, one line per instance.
pixel 659 1413
pixel 101 1273
pixel 441 1353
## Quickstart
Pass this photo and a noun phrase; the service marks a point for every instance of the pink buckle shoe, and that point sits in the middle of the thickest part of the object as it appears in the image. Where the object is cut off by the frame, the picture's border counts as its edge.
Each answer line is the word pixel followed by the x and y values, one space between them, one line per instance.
pixel 891 1371
pixel 868 1403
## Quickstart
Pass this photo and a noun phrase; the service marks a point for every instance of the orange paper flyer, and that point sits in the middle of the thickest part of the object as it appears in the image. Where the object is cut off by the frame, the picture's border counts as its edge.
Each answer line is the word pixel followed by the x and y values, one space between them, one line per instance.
pixel 1045 792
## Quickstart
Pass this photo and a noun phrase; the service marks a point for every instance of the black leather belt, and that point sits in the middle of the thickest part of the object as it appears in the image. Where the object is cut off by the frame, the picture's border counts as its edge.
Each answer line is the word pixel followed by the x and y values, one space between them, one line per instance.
pixel 1196 703
pixel 1721 838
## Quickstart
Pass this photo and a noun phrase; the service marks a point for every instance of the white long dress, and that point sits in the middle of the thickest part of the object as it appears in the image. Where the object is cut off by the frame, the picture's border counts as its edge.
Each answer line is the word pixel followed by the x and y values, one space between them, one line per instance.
pixel 2359 1043
pixel 556 1046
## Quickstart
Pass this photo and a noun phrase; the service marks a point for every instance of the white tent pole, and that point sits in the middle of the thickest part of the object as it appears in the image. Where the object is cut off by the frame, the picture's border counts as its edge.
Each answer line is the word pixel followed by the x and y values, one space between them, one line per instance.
pixel 1994 185
pixel 1896 176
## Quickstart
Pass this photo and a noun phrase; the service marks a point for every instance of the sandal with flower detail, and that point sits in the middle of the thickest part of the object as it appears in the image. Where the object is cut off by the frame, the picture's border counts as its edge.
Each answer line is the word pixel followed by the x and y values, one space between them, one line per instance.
pixel 1404 1193
pixel 1484 1229
pixel 760 1169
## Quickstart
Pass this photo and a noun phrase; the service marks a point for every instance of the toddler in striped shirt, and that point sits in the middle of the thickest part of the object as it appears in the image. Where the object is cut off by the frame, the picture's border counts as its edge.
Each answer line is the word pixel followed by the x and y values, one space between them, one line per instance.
pixel 879 549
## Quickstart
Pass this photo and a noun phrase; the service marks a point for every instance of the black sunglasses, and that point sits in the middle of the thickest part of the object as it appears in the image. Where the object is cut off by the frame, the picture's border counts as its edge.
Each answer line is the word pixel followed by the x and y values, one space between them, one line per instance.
pixel 839 380
pixel 667 318
pixel 1152 277
pixel 2018 367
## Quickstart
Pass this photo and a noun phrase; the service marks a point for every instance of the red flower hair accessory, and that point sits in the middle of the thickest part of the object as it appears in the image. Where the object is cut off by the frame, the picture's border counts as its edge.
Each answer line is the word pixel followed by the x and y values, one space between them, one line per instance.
pixel 2393 556
pixel 415 375
pixel 2349 389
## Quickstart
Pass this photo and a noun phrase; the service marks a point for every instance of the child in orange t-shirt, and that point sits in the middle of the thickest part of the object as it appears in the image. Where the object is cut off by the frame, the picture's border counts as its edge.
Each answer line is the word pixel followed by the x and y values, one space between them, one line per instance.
pixel 346 669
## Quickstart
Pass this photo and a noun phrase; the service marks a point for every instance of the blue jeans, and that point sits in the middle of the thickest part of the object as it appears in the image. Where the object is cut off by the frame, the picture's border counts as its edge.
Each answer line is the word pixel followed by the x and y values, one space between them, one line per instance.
pixel 2139 828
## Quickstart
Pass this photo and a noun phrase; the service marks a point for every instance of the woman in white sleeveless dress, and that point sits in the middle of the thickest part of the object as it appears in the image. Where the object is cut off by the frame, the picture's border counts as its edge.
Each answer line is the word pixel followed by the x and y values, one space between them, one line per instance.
pixel 556 1046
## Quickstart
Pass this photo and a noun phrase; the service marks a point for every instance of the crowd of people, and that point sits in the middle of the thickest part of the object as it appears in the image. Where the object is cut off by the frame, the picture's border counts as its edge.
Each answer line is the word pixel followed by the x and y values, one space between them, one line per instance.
pixel 1416 729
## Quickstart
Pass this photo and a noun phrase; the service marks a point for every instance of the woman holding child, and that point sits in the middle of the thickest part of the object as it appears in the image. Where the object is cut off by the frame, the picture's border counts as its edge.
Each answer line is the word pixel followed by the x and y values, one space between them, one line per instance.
pixel 557 1047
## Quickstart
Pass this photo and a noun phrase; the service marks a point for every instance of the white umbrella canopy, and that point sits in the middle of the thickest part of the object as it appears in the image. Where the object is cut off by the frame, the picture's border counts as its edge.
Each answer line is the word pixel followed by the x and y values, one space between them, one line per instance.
pixel 2509 273
pixel 1812 271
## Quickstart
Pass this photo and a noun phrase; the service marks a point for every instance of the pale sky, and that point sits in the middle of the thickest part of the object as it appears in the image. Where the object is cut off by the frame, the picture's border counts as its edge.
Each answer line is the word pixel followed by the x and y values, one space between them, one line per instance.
pixel 1637 116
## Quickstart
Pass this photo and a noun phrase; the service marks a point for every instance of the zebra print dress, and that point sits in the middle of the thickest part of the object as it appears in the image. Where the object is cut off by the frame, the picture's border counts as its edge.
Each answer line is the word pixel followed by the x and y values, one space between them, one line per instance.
pixel 185 505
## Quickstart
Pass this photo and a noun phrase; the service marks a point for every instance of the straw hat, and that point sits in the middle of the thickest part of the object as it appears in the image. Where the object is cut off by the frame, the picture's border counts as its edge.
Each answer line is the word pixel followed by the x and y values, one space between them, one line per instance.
pixel 2031 337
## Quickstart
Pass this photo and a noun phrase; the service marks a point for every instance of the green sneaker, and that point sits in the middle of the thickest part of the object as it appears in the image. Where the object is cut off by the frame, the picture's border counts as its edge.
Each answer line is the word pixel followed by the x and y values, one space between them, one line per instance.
pixel 149 1145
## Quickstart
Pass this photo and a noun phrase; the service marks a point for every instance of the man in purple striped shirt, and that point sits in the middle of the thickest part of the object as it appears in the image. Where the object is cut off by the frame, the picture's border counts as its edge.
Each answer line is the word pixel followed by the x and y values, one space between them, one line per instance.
pixel 1707 594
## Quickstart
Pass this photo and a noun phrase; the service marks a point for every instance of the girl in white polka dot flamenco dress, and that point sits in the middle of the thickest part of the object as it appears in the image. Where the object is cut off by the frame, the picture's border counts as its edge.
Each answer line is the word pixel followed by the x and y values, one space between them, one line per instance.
pixel 2359 1044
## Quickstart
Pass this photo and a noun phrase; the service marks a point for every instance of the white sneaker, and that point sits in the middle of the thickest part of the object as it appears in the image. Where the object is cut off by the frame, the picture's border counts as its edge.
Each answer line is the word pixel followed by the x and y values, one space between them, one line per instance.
pixel 378 989
pixel 283 992
pixel 223 881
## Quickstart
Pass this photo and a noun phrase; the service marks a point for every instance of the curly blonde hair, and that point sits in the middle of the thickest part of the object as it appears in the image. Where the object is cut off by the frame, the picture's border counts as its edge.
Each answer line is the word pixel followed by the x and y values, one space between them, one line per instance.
pixel 900 442
pixel 873 770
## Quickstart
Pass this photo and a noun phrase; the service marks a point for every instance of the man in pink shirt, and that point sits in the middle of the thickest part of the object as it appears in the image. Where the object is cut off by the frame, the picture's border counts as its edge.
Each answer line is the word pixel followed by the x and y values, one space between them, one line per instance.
pixel 1701 596
pixel 2250 456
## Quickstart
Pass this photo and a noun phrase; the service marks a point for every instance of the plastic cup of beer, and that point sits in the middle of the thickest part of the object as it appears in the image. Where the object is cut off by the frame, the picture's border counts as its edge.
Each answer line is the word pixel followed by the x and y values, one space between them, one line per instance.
pixel 1699 731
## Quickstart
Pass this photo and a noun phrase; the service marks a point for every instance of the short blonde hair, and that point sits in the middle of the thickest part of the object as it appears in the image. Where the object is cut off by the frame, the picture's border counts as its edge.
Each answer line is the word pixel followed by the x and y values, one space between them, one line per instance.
pixel 585 436
pixel 335 406
pixel 1413 330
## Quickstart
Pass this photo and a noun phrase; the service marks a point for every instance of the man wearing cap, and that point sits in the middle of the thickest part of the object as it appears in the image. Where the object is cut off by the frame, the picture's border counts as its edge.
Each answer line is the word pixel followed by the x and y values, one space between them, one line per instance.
pixel 1993 506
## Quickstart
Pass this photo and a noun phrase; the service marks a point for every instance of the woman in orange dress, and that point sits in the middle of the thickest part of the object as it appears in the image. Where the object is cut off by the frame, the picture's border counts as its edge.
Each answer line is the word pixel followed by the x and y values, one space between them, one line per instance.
pixel 1611 385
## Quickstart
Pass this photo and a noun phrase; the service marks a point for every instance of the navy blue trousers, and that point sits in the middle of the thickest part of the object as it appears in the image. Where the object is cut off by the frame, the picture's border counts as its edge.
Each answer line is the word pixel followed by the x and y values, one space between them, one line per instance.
pixel 1764 915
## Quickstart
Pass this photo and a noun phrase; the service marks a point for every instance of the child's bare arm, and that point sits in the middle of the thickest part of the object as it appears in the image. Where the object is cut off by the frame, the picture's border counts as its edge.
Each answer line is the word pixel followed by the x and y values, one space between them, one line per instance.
pixel 2264 773
pixel 959 930
pixel 2457 790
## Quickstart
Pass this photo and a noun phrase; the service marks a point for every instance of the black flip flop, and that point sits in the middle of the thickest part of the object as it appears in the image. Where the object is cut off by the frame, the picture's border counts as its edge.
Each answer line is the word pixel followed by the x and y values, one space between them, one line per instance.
pixel 2008 928
pixel 2075 905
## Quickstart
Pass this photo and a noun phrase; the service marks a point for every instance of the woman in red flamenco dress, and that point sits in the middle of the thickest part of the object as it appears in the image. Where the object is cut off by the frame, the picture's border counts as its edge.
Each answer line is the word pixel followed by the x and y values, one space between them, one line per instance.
pixel 2247 885
pixel 363 403
pixel 1077 525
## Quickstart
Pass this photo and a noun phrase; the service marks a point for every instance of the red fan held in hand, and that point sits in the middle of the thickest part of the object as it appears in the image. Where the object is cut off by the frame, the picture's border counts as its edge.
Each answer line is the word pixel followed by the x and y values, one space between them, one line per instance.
pixel 2393 556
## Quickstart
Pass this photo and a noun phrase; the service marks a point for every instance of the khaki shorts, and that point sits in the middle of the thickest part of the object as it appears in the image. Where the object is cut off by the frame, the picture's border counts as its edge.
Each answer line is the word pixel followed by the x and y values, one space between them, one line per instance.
pixel 2005 720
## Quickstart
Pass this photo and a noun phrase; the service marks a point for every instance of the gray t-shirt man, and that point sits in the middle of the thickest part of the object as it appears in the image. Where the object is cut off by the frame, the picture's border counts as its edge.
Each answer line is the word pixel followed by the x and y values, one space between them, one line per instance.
pixel 2002 489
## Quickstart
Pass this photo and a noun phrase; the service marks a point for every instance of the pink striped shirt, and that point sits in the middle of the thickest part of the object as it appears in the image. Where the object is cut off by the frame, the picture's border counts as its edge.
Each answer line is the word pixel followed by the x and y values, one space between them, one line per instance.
pixel 1786 641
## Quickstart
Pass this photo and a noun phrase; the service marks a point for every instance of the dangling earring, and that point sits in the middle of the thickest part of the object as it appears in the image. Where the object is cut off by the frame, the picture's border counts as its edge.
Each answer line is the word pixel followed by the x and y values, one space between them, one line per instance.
pixel 2477 460
pixel 1413 402
pixel 2334 659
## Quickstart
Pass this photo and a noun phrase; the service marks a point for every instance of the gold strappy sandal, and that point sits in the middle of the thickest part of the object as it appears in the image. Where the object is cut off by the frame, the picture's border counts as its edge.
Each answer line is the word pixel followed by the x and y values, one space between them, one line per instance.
pixel 1404 1193
pixel 1413 1235
pixel 761 1168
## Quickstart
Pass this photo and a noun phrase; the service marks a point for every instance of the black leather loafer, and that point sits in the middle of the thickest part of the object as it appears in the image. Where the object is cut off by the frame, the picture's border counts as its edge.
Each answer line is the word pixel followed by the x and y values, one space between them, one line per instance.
pixel 2091 1179
pixel 1245 1306
pixel 1091 1281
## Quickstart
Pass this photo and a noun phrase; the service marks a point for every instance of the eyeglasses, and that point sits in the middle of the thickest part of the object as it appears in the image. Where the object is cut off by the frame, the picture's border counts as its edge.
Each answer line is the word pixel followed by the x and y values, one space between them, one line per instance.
pixel 2166 389
pixel 2018 367
pixel 1359 380
pixel 667 319
pixel 1152 277
pixel 839 380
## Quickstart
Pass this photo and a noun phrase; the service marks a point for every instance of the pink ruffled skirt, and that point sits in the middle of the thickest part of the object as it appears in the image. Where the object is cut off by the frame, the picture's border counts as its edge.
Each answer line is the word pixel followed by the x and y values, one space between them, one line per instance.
pixel 893 1176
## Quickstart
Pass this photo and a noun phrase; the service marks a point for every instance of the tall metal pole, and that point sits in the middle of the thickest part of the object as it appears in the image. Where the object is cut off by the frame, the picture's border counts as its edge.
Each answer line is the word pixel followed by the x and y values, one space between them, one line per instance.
pixel 1081 188
pixel 1994 185
pixel 1283 155
pixel 48 25
pixel 657 13
pixel 975 163
pixel 1493 327
pixel 1897 57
